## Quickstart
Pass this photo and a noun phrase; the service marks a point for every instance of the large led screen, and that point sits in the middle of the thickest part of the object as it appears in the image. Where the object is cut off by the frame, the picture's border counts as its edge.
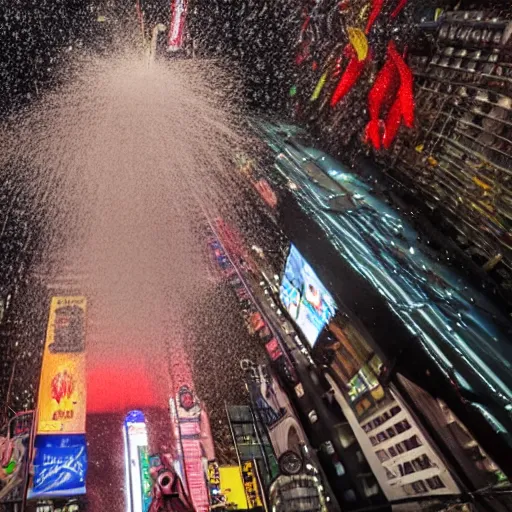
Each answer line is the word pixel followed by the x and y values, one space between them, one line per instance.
pixel 305 297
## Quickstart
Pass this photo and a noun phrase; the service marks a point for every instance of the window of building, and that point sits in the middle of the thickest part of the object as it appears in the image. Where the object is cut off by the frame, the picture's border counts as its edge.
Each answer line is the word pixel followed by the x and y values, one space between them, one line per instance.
pixel 402 426
pixel 392 451
pixel 382 455
pixel 381 437
pixel 395 410
pixel 390 432
pixel 422 462
pixel 406 468
pixel 412 443
pixel 415 488
pixel 379 420
pixel 435 483
pixel 419 487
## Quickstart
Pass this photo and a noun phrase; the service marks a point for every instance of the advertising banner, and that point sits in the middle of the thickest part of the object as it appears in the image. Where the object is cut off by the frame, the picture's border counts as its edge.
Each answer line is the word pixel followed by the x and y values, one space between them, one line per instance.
pixel 217 499
pixel 273 349
pixel 232 487
pixel 60 466
pixel 251 485
pixel 62 391
pixel 304 296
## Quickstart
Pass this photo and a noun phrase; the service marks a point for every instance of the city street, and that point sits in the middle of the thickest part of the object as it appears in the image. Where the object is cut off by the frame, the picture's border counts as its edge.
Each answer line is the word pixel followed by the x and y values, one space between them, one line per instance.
pixel 255 256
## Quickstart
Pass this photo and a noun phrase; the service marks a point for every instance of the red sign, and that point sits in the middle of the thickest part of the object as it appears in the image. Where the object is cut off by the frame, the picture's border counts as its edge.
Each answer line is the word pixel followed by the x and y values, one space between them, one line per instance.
pixel 273 349
pixel 256 321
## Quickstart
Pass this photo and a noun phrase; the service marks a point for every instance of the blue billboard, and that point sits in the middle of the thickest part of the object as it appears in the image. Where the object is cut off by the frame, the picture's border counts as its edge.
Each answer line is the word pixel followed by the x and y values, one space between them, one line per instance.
pixel 304 296
pixel 60 466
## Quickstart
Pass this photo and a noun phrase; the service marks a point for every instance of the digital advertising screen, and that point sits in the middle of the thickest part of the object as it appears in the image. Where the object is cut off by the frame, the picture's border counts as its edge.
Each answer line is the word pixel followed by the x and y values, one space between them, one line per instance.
pixel 304 296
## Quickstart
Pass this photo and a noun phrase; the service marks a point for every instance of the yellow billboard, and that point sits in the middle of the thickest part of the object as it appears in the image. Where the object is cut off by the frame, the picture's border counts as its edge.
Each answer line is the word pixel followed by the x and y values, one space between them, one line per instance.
pixel 62 390
pixel 251 485
pixel 232 487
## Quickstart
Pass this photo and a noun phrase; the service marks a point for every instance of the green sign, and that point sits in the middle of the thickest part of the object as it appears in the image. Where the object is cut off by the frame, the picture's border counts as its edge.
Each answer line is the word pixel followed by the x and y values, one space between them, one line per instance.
pixel 145 477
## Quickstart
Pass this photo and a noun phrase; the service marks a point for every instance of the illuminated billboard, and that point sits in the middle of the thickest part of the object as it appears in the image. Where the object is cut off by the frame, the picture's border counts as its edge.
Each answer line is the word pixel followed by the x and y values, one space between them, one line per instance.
pixel 232 487
pixel 304 296
pixel 60 449
pixel 60 466
pixel 251 485
pixel 138 479
pixel 62 390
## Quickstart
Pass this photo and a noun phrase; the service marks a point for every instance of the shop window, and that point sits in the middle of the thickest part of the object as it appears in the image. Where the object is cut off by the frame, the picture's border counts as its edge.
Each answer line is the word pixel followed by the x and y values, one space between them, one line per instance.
pixel 435 483
pixel 372 382
pixel 402 426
